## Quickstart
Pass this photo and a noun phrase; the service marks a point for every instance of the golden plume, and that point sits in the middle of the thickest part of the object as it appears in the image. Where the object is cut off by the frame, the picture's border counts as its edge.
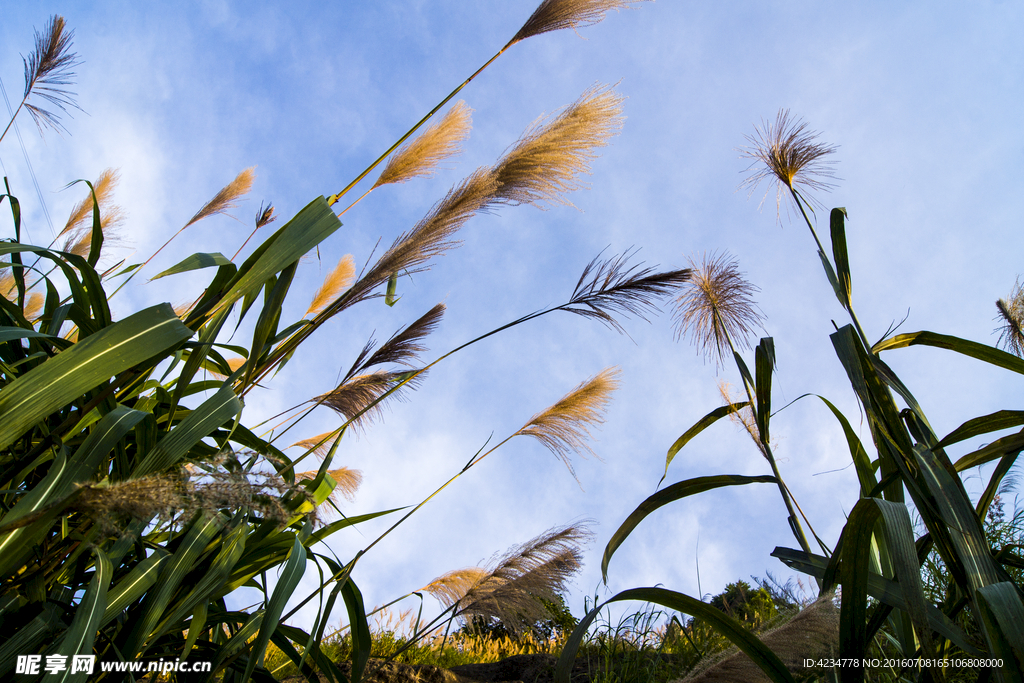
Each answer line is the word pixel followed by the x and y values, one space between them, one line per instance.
pixel 421 157
pixel 452 587
pixel 320 450
pixel 554 15
pixel 334 284
pixel 563 428
pixel 346 481
pixel 549 157
pixel 233 364
pixel 225 200
pixel 433 235
pixel 103 188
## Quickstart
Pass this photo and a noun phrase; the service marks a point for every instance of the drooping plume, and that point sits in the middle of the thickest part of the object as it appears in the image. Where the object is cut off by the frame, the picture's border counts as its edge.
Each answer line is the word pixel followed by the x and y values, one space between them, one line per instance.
pixel 513 590
pixel 612 287
pixel 554 15
pixel 48 72
pixel 549 157
pixel 564 427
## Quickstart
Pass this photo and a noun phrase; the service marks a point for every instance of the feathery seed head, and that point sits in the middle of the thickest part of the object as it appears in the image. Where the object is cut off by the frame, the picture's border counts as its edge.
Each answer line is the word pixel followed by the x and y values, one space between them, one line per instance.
pixel 553 15
pixel 548 159
pixel 452 587
pixel 431 237
pixel 353 398
pixel 787 152
pixel 225 200
pixel 265 215
pixel 346 481
pixel 526 574
pixel 563 428
pixel 744 417
pixel 716 309
pixel 335 283
pixel 103 188
pixel 421 157
pixel 317 444
pixel 1011 319
pixel 48 70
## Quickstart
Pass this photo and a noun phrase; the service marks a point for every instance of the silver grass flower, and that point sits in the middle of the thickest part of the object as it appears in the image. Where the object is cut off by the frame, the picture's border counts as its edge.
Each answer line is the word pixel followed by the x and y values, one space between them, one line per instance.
pixel 613 286
pixel 355 399
pixel 225 200
pixel 554 15
pixel 716 310
pixel 549 157
pixel 421 157
pixel 564 427
pixel 346 481
pixel 525 575
pixel 789 154
pixel 48 72
pixel 451 587
pixel 337 281
pixel 1011 318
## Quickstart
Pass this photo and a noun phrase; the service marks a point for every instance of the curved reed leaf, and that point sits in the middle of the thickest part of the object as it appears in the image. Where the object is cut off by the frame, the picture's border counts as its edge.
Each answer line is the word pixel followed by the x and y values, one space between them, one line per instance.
pixel 667 495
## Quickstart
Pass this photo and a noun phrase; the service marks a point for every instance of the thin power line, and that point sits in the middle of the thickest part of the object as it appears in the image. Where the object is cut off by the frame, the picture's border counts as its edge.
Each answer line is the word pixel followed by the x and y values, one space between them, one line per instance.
pixel 28 162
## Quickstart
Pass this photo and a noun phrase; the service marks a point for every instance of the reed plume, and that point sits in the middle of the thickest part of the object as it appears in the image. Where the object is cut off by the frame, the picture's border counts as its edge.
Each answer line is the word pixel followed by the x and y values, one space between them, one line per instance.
pixel 317 444
pixel 540 167
pixel 524 576
pixel 1011 318
pixel 346 481
pixel 451 587
pixel 550 156
pixel 335 283
pixel 432 236
pixel 716 309
pixel 224 200
pixel 563 428
pixel 404 347
pixel 48 72
pixel 166 495
pixel 33 300
pixel 421 157
pixel 103 188
pixel 790 154
pixel 554 15
pixel 354 399
pixel 264 216
pixel 613 287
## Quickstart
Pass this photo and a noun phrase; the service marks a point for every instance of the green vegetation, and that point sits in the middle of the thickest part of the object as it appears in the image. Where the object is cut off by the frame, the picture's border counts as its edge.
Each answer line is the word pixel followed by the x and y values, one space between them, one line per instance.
pixel 968 604
pixel 136 498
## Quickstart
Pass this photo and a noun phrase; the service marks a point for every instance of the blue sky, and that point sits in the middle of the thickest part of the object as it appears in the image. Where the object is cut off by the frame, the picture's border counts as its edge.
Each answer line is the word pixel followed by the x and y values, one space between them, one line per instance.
pixel 924 100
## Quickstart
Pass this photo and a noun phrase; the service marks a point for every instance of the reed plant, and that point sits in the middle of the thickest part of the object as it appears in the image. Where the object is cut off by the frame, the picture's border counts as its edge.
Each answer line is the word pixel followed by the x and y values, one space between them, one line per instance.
pixel 946 602
pixel 137 498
